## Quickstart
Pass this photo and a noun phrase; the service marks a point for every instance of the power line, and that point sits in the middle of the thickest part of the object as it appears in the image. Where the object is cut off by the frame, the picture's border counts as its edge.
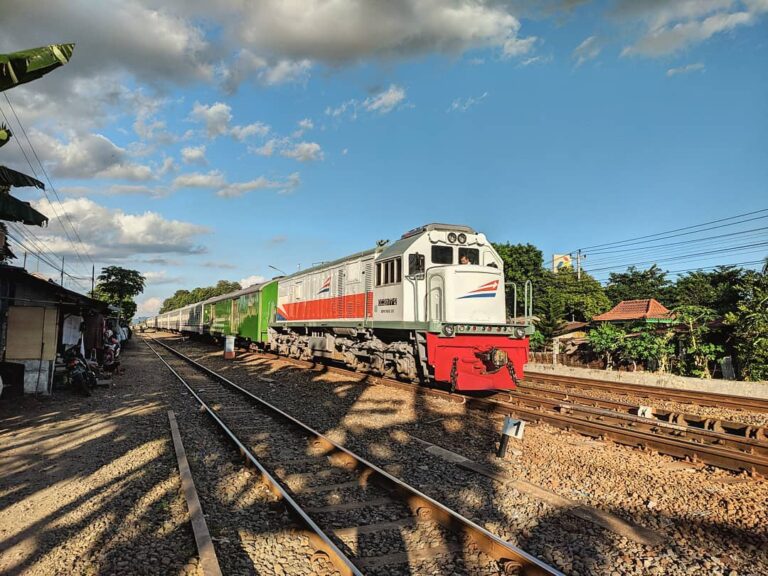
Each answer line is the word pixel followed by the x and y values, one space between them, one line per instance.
pixel 56 267
pixel 700 268
pixel 746 248
pixel 681 229
pixel 50 183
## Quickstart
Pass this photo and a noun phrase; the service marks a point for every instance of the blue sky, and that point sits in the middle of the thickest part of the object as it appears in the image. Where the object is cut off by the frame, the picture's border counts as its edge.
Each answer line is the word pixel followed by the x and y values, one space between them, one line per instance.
pixel 197 141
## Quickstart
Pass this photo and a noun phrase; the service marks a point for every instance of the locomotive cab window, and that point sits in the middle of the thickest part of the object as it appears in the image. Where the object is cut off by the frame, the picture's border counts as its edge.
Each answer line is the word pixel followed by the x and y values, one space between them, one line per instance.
pixel 389 272
pixel 471 254
pixel 442 255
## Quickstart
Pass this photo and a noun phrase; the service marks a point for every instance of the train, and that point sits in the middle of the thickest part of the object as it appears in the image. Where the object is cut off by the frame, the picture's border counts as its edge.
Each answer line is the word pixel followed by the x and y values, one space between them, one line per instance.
pixel 429 307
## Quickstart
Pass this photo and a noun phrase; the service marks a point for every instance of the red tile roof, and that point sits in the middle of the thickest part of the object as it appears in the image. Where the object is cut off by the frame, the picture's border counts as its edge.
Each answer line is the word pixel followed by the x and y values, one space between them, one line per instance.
pixel 635 310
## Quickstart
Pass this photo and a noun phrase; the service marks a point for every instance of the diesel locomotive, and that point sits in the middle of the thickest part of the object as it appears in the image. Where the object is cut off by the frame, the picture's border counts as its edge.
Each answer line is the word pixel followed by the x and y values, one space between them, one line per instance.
pixel 429 307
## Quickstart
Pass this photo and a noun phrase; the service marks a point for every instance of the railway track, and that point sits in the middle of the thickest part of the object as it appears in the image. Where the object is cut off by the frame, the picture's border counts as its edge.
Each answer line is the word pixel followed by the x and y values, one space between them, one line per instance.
pixel 738 447
pixel 673 394
pixel 707 423
pixel 359 518
pixel 741 448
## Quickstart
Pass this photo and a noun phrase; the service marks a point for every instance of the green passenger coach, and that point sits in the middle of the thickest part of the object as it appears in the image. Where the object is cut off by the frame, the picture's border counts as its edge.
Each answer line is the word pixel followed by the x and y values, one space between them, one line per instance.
pixel 245 314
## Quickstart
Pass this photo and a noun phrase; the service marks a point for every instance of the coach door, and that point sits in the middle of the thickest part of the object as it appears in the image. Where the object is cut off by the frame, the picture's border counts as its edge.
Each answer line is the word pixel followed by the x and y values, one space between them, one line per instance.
pixel 435 298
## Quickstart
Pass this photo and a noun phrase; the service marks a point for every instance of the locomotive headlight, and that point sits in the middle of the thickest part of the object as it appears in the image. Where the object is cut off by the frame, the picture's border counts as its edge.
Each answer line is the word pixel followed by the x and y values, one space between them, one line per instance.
pixel 448 330
pixel 462 238
pixel 452 237
pixel 499 357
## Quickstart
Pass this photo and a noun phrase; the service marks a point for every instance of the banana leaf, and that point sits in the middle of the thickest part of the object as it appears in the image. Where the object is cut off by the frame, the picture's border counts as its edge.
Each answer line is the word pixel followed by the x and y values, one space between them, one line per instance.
pixel 15 210
pixel 27 65
pixel 10 177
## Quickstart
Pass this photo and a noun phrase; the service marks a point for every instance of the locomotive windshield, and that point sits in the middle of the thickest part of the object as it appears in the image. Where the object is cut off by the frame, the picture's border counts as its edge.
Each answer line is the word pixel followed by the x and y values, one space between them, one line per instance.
pixel 471 254
pixel 442 255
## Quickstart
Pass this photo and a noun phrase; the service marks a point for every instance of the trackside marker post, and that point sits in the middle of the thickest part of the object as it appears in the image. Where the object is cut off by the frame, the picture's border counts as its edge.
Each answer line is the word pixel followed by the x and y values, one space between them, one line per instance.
pixel 511 429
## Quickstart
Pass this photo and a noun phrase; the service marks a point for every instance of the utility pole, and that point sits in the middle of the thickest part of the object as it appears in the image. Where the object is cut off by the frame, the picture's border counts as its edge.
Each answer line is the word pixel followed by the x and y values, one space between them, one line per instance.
pixel 25 260
pixel 93 278
pixel 62 272
pixel 578 265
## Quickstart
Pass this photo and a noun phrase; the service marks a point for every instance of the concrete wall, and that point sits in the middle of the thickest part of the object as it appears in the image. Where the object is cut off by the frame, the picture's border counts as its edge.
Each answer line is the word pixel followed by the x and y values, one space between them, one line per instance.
pixel 37 376
pixel 661 380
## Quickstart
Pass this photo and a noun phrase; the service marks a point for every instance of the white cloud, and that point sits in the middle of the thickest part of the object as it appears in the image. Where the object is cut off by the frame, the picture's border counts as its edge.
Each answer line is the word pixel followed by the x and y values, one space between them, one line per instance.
pixel 148 306
pixel 256 129
pixel 304 152
pixel 251 280
pixel 212 179
pixel 267 149
pixel 285 71
pixel 589 49
pixel 194 155
pixel 261 183
pixel 347 31
pixel 88 156
pixel 514 47
pixel 112 234
pixel 464 104
pixel 216 117
pixel 675 26
pixel 155 277
pixel 222 265
pixel 688 68
pixel 306 124
pixel 116 190
pixel 154 45
pixel 385 101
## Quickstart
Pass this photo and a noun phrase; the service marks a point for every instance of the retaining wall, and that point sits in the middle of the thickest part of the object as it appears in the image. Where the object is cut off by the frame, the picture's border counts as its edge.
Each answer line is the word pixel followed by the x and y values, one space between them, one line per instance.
pixel 660 380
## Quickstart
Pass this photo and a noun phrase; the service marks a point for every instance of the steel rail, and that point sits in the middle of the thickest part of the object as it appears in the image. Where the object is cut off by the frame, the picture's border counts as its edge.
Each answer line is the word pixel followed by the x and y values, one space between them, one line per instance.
pixel 709 423
pixel 512 559
pixel 315 534
pixel 674 394
pixel 692 443
pixel 713 448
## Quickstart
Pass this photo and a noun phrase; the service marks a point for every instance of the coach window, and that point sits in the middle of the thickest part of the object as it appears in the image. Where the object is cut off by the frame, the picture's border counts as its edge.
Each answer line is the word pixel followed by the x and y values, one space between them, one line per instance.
pixel 442 255
pixel 388 272
pixel 472 254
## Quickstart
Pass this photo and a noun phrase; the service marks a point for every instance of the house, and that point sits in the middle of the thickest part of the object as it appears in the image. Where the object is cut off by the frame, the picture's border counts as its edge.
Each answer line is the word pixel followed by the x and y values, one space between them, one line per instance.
pixel 38 319
pixel 648 310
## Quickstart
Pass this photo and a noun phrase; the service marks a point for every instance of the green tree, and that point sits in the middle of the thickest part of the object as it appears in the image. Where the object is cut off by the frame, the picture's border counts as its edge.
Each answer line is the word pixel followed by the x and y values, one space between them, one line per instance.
pixel 522 262
pixel 749 323
pixel 607 339
pixel 717 289
pixel 578 300
pixel 119 286
pixel 648 346
pixel 637 284
pixel 698 351
pixel 185 297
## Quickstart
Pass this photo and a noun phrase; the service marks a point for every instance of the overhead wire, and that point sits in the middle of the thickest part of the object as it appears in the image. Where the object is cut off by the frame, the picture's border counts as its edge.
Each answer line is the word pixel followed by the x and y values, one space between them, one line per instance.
pixel 48 179
pixel 41 245
pixel 762 211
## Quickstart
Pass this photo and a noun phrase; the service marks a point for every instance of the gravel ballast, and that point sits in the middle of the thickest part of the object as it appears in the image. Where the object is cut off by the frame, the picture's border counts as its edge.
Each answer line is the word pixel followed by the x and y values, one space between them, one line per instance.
pixel 711 521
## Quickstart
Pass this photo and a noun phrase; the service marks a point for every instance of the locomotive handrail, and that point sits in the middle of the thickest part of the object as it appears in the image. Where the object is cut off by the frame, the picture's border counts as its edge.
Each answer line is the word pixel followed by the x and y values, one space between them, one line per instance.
pixel 528 299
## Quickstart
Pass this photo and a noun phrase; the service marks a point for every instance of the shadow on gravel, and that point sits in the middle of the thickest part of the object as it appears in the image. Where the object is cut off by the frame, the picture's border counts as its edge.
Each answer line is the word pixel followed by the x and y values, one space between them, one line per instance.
pixel 393 428
pixel 97 500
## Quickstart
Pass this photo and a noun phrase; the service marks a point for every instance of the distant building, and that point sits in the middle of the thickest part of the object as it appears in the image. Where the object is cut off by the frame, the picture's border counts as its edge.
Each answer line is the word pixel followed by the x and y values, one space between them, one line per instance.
pixel 648 310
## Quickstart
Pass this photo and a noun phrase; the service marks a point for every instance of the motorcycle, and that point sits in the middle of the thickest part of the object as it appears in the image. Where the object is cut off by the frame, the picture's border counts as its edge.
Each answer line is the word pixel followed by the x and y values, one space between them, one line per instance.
pixel 80 375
